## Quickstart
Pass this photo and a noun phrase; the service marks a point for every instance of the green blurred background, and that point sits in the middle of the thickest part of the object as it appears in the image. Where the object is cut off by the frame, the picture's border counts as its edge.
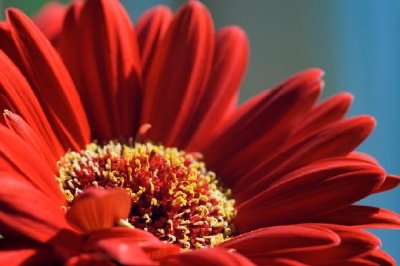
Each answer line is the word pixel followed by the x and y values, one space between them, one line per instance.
pixel 357 43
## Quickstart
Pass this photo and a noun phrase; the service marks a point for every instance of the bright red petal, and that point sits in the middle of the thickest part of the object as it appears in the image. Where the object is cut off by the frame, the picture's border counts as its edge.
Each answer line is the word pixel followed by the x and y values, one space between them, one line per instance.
pixel 19 97
pixel 50 80
pixel 98 209
pixel 19 157
pixel 27 212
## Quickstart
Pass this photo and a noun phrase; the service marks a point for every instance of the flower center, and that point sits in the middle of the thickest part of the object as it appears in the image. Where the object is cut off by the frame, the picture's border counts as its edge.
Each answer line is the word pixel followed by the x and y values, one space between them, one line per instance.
pixel 173 195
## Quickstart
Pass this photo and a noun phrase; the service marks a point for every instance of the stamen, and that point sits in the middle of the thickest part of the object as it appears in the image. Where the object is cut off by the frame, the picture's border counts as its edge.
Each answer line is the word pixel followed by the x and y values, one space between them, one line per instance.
pixel 173 195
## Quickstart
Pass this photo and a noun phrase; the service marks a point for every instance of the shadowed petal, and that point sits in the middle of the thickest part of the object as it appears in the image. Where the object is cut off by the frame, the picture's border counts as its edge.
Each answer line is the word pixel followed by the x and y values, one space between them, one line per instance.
pixel 107 70
pixel 221 94
pixel 259 126
pixel 98 209
pixel 151 28
pixel 176 81
pixel 209 257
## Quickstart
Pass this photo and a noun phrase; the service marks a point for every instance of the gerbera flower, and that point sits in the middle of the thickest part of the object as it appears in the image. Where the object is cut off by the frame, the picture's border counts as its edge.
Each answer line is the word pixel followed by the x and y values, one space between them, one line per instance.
pixel 130 148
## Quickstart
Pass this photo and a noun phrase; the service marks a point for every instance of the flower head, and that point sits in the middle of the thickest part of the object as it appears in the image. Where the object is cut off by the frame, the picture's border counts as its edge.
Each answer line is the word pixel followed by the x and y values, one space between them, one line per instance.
pixel 125 144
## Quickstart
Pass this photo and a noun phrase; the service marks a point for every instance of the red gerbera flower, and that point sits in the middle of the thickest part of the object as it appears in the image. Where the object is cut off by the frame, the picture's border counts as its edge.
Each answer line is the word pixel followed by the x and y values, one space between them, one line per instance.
pixel 107 150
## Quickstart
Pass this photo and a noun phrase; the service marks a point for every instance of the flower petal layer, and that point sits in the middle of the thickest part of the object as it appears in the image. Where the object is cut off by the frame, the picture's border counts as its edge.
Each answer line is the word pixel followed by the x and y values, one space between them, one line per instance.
pixel 177 79
pixel 28 212
pixel 107 70
pixel 209 257
pixel 98 209
pixel 309 192
pixel 151 28
pixel 50 80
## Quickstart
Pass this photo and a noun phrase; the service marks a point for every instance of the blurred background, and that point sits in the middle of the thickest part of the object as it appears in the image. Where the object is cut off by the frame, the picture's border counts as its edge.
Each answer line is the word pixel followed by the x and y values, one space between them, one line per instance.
pixel 356 42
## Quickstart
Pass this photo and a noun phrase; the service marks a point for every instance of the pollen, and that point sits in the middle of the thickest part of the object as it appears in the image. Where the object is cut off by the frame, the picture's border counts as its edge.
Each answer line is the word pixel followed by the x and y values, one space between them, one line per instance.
pixel 173 195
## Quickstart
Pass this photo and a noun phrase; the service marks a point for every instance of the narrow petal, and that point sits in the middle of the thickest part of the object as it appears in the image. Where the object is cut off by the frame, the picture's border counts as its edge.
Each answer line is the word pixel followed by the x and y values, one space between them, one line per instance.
pixel 107 70
pixel 17 93
pixel 363 216
pixel 176 81
pixel 50 20
pixel 50 81
pixel 19 157
pixel 27 212
pixel 331 110
pixel 337 139
pixel 391 182
pixel 261 125
pixel 151 28
pixel 228 68
pixel 308 194
pixel 98 209
pixel 209 257
pixel 379 257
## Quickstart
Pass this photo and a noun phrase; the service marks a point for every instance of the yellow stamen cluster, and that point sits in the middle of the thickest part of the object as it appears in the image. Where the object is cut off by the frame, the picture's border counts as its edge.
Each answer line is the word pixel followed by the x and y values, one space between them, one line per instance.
pixel 173 195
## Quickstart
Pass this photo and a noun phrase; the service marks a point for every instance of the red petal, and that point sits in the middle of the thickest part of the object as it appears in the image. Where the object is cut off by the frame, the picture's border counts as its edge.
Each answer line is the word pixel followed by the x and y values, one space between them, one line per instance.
pixel 311 244
pixel 337 139
pixel 117 241
pixel 19 157
pixel 90 260
pixel 50 20
pixel 258 127
pixel 221 94
pixel 265 244
pixel 363 216
pixel 177 79
pixel 98 209
pixel 24 252
pixel 309 193
pixel 107 68
pixel 28 212
pixel 22 129
pixel 15 90
pixel 391 182
pixel 379 257
pixel 324 114
pixel 151 28
pixel 209 257
pixel 50 80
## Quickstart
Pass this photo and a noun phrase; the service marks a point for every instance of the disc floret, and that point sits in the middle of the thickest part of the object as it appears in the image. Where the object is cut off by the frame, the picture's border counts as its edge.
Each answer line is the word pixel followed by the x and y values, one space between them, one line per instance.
pixel 173 195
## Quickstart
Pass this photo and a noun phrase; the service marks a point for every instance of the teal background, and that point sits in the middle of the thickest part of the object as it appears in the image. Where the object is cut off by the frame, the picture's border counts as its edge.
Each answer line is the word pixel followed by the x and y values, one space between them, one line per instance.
pixel 357 43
